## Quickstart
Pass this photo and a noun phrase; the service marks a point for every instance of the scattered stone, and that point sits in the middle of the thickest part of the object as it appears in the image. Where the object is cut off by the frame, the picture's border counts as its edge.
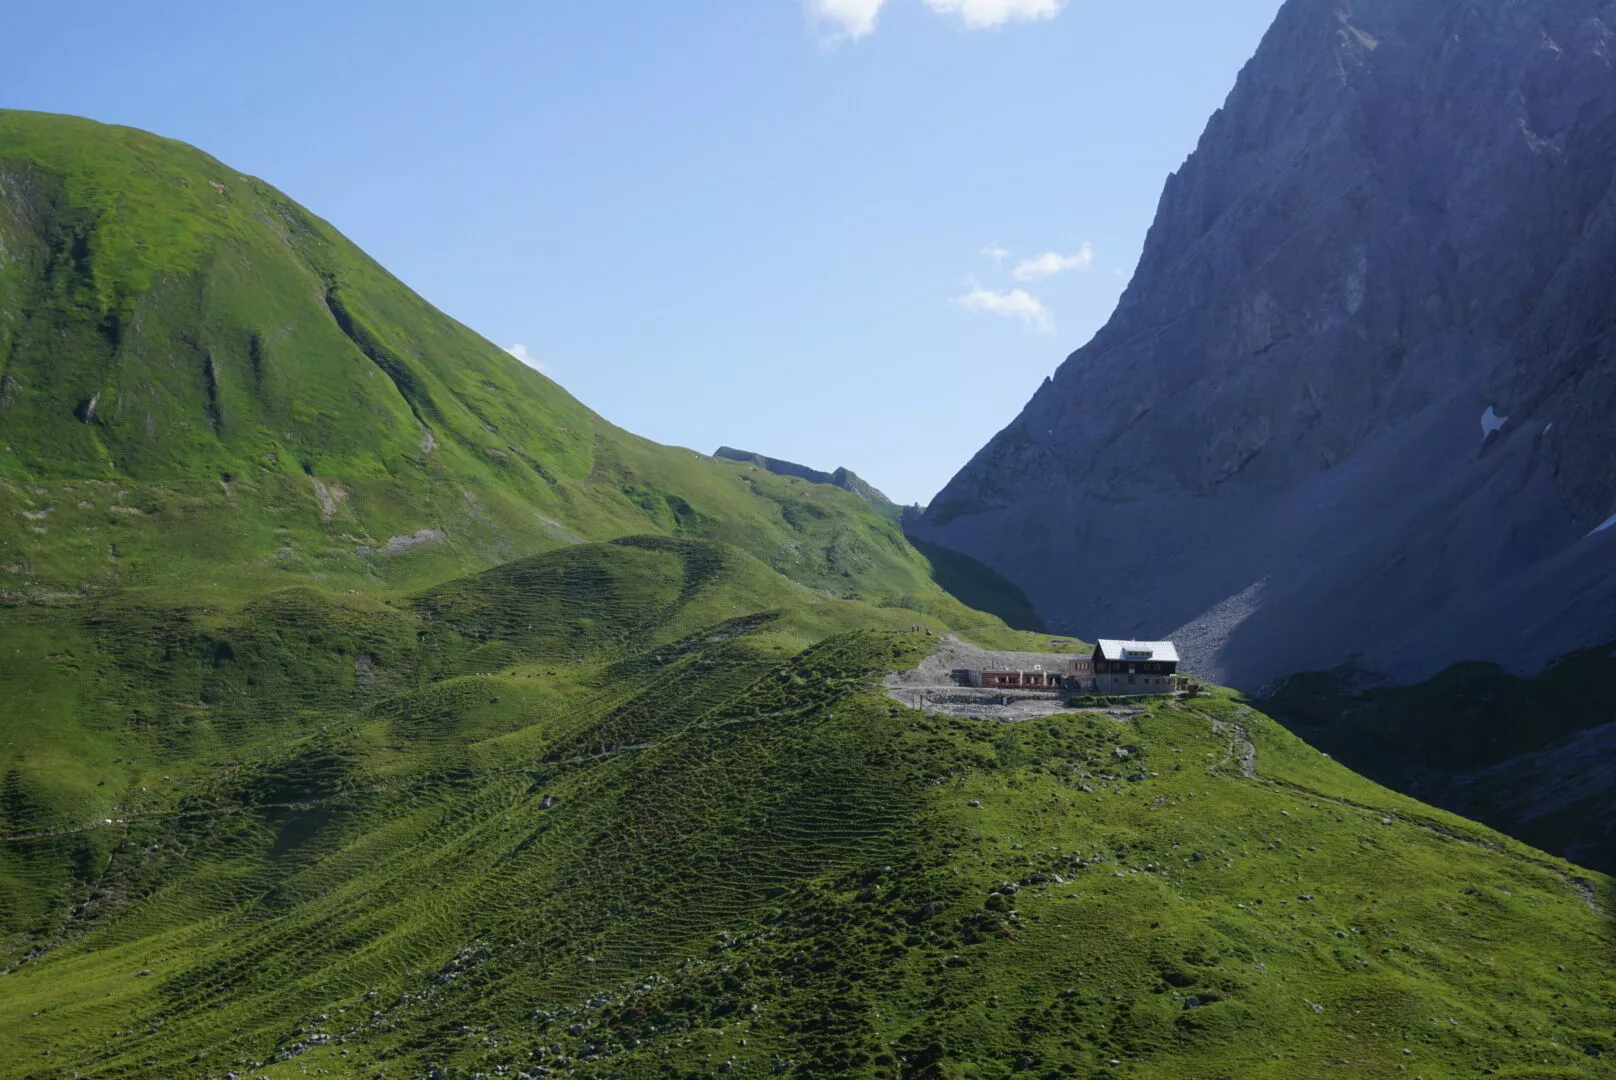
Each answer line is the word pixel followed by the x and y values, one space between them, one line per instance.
pixel 397 545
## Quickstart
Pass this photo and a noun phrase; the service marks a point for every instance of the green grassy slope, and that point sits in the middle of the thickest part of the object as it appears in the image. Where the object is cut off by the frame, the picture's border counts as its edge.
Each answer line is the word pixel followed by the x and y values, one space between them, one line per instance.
pixel 369 707
pixel 204 387
pixel 681 852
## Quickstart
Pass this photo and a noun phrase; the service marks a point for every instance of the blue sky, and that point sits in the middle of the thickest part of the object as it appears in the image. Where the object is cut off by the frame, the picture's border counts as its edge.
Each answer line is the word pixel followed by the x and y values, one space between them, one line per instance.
pixel 845 232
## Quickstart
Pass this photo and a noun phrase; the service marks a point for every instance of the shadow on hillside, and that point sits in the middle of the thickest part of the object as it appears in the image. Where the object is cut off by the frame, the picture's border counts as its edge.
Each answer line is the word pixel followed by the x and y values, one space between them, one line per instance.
pixel 977 585
pixel 1474 741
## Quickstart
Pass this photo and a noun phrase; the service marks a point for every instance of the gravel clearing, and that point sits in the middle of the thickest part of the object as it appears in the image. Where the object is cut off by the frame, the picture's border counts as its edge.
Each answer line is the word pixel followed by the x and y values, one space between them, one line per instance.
pixel 930 685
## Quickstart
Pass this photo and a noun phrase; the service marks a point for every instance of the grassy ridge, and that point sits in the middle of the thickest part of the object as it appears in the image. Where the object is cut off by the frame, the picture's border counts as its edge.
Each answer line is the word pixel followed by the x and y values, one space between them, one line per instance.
pixel 708 855
pixel 118 703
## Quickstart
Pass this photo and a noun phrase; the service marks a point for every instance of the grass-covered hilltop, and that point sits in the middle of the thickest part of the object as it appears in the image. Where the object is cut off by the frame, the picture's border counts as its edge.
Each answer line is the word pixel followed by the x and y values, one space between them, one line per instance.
pixel 369 707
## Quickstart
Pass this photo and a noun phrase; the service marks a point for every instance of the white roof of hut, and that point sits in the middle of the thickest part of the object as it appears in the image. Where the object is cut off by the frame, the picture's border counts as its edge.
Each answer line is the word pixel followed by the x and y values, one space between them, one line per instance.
pixel 1112 649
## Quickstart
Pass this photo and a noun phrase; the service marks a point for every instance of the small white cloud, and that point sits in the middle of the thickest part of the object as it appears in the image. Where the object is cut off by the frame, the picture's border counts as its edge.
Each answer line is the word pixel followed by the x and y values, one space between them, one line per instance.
pixel 1053 262
pixel 985 14
pixel 520 352
pixel 837 21
pixel 996 253
pixel 1015 304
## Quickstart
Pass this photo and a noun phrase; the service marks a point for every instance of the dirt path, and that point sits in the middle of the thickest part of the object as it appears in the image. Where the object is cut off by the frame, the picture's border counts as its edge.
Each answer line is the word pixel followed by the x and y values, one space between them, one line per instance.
pixel 1240 747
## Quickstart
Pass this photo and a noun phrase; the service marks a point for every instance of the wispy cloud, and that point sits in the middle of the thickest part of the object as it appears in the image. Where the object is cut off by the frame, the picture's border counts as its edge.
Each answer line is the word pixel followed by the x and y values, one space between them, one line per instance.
pixel 986 14
pixel 1015 304
pixel 1053 262
pixel 996 253
pixel 837 21
pixel 520 352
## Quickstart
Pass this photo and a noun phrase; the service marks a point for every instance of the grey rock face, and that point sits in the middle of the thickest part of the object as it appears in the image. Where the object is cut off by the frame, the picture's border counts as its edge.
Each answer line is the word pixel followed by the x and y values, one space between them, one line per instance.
pixel 1358 396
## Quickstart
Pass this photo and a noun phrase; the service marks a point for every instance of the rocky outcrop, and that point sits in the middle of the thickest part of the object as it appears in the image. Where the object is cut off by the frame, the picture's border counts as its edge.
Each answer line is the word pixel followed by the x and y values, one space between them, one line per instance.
pixel 846 479
pixel 1357 397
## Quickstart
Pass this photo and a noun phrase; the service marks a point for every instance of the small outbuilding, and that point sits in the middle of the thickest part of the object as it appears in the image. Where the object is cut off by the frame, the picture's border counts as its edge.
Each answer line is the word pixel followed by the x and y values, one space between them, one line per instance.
pixel 1033 678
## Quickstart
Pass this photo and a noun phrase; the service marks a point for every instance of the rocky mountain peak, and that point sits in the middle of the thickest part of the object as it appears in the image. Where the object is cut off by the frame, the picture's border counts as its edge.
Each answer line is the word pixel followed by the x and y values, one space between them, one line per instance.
pixel 1401 218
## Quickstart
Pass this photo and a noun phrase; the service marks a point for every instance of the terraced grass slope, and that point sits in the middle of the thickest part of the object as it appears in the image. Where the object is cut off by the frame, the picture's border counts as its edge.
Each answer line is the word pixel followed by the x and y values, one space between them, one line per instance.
pixel 437 838
pixel 368 707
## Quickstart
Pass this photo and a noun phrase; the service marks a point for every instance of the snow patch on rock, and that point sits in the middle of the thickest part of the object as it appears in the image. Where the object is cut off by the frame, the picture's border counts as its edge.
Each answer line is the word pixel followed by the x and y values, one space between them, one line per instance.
pixel 1492 422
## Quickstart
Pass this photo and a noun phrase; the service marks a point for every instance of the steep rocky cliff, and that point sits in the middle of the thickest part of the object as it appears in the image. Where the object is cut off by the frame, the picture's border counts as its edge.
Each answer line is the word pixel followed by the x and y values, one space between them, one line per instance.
pixel 1357 398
